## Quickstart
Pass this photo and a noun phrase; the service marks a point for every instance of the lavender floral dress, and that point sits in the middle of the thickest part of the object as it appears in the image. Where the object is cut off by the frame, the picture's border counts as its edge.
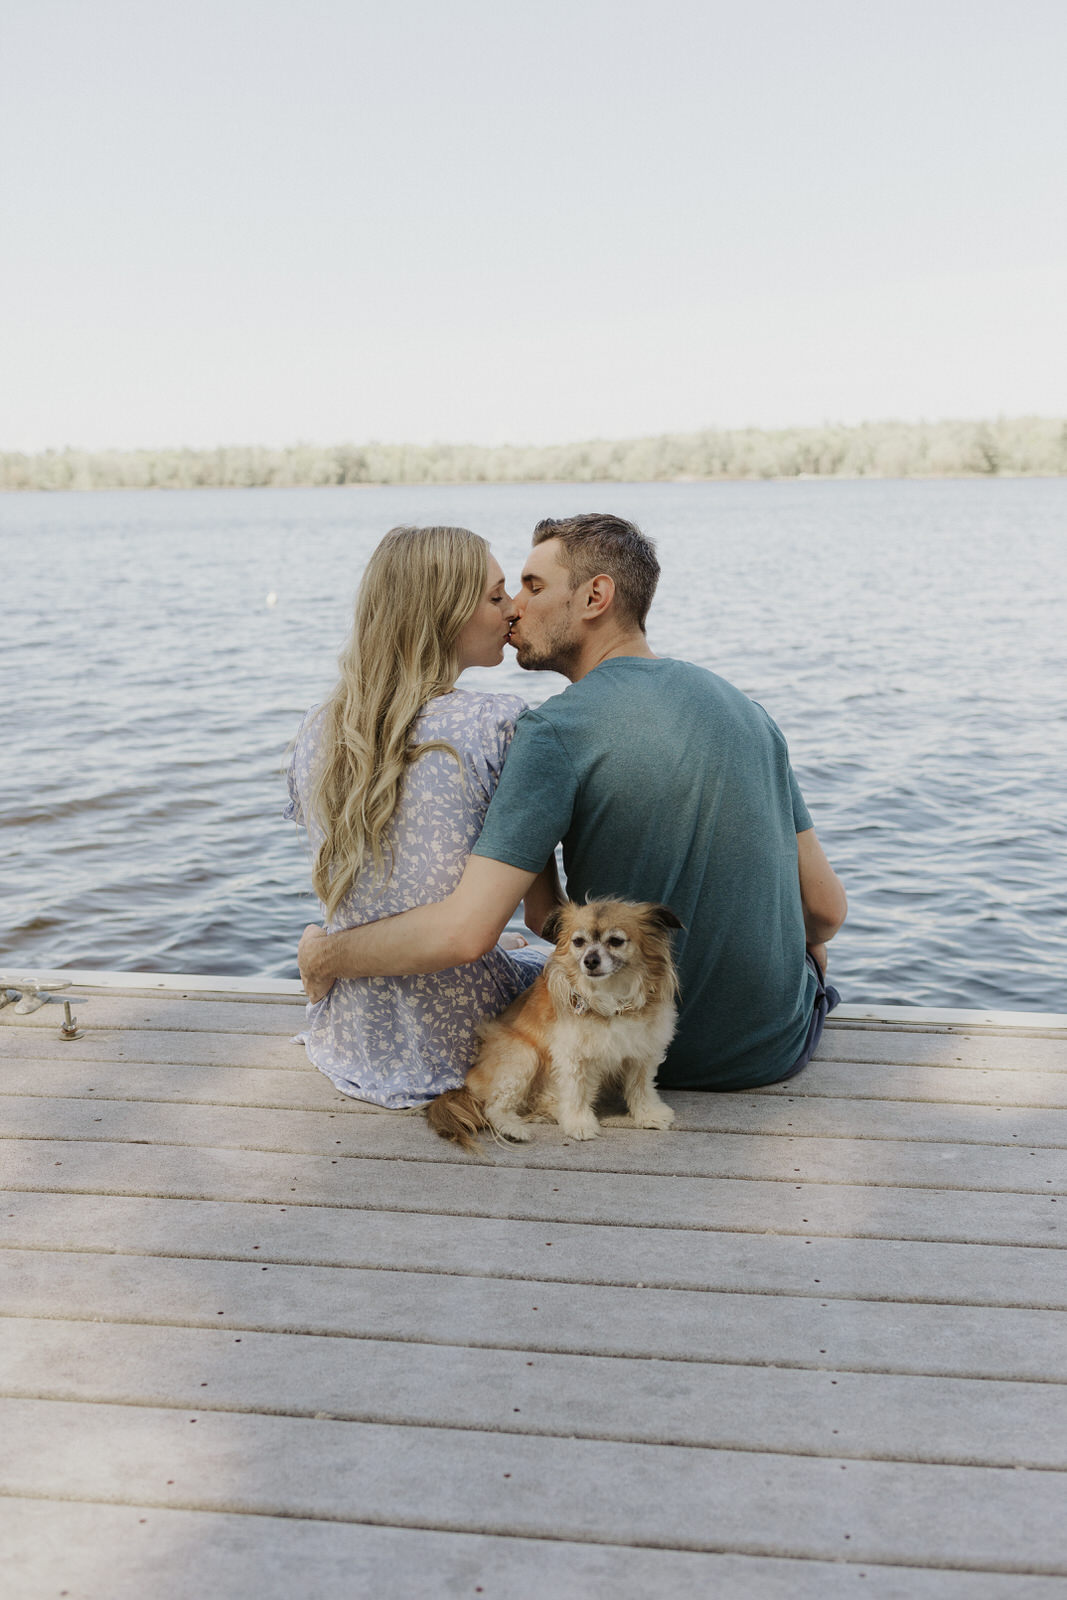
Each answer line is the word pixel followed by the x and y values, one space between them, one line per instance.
pixel 401 1041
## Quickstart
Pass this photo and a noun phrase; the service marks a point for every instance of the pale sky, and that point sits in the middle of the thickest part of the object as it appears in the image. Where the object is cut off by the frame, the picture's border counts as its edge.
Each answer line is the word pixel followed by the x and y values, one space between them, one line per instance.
pixel 255 221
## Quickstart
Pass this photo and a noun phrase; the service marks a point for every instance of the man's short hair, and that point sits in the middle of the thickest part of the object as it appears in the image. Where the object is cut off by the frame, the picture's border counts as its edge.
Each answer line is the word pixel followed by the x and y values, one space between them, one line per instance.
pixel 596 542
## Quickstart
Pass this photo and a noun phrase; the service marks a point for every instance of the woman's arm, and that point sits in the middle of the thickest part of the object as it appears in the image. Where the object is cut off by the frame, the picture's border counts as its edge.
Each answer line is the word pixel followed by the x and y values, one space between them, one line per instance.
pixel 543 895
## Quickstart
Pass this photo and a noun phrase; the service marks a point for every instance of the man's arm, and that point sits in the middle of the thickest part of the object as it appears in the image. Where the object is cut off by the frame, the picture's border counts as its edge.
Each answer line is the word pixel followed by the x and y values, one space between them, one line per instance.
pixel 822 893
pixel 448 933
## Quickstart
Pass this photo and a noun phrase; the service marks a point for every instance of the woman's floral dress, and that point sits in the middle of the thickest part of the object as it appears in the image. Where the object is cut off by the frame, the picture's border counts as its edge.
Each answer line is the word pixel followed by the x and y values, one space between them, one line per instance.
pixel 401 1041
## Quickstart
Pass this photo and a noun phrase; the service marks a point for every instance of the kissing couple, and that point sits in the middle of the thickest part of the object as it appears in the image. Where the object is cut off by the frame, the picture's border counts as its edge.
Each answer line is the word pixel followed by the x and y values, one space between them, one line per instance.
pixel 432 811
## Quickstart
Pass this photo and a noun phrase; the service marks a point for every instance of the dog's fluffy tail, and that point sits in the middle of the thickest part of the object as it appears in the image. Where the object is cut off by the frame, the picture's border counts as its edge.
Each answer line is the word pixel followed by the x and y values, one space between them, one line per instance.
pixel 458 1116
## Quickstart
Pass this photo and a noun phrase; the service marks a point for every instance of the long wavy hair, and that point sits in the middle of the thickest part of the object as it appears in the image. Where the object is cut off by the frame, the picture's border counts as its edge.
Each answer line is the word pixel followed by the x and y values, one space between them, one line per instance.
pixel 419 589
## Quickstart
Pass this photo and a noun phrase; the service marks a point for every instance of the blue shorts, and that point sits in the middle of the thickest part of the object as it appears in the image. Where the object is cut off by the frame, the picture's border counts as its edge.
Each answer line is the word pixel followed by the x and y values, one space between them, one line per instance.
pixel 826 998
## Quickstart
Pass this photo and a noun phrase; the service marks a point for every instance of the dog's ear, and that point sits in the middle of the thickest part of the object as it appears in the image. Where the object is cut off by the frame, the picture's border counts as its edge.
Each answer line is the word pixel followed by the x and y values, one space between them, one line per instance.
pixel 551 926
pixel 664 917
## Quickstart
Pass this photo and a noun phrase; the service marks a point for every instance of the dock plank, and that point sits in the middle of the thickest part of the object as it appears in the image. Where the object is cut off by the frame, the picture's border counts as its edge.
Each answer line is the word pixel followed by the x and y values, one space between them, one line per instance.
pixel 107 1165
pixel 1044 1086
pixel 734 1263
pixel 707 1403
pixel 170 1030
pixel 258 1127
pixel 761 1327
pixel 133 1187
pixel 177 1013
pixel 673 1497
pixel 128 1552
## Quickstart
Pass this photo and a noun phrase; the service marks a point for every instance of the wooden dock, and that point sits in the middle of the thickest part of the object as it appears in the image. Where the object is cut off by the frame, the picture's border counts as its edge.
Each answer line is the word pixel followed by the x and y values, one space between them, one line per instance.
pixel 257 1341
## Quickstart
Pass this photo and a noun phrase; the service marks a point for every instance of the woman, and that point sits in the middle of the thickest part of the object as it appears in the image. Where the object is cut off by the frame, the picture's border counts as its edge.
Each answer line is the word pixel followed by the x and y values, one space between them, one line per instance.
pixel 392 778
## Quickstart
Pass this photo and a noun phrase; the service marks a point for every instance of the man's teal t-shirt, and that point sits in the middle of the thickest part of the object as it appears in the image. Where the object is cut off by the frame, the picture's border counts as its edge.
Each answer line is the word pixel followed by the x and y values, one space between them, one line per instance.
pixel 666 783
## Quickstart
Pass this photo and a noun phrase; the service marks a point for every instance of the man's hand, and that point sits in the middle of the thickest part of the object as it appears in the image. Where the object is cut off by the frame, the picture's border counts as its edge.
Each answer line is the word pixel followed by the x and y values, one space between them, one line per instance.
pixel 311 955
pixel 818 955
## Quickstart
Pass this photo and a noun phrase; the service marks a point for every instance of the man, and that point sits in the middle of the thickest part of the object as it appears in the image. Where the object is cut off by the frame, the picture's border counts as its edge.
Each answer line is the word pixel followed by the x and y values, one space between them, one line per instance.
pixel 664 783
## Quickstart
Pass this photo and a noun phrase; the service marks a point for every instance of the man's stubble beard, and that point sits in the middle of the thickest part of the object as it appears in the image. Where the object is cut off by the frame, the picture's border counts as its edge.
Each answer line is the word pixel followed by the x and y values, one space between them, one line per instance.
pixel 557 654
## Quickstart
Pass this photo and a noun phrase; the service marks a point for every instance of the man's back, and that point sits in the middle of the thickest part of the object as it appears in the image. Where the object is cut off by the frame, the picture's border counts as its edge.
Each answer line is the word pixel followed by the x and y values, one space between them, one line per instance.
pixel 666 783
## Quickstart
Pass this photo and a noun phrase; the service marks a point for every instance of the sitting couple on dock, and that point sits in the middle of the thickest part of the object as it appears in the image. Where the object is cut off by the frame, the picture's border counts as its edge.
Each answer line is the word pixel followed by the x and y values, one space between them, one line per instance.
pixel 433 811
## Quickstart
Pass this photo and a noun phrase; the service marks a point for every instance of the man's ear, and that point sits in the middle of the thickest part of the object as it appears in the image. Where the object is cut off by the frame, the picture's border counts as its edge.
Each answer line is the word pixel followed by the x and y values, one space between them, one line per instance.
pixel 599 594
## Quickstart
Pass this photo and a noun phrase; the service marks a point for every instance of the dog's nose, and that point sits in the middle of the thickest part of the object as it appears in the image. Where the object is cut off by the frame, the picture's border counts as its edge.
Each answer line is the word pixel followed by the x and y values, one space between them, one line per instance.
pixel 591 960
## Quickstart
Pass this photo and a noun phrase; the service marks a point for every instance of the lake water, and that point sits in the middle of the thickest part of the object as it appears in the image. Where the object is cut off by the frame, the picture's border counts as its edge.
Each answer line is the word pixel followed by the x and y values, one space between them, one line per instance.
pixel 908 637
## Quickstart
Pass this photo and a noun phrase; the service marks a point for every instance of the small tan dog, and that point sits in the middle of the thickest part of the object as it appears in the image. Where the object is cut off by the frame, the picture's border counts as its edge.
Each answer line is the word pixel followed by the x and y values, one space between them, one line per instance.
pixel 602 1011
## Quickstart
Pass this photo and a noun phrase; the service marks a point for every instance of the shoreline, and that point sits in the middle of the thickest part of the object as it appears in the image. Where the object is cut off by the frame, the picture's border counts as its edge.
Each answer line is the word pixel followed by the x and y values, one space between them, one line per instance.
pixel 528 483
pixel 893 450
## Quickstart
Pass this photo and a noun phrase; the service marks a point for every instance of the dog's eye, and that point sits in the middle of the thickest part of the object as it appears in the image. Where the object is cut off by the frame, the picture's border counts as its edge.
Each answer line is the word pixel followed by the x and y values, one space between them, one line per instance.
pixel 578 941
pixel 614 940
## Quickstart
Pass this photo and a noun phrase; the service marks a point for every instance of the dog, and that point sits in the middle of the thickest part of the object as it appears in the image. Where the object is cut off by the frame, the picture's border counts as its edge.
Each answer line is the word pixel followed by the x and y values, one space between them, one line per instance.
pixel 601 1012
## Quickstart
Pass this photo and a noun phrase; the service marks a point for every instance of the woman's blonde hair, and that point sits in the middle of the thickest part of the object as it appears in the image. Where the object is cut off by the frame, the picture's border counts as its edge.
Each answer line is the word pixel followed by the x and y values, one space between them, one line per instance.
pixel 419 589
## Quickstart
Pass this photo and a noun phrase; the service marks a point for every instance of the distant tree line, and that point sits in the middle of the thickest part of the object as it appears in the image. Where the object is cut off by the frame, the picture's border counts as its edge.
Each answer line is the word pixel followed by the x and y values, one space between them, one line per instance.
pixel 1019 445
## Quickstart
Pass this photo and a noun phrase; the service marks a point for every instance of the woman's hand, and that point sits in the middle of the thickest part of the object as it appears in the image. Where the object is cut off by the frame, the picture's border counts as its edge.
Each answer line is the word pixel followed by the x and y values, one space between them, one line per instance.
pixel 311 956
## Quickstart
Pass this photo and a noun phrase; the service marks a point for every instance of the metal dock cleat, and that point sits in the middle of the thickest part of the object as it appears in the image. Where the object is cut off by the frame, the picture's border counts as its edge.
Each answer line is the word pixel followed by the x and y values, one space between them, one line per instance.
pixel 26 995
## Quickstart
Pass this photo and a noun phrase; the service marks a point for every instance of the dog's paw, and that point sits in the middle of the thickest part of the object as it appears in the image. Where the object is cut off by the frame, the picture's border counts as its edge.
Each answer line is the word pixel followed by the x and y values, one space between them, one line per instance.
pixel 509 1127
pixel 660 1116
pixel 586 1127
